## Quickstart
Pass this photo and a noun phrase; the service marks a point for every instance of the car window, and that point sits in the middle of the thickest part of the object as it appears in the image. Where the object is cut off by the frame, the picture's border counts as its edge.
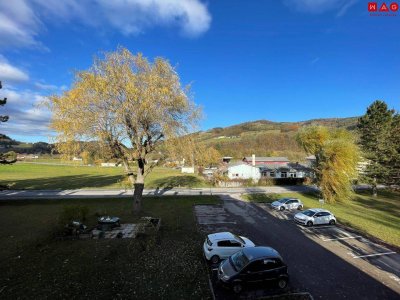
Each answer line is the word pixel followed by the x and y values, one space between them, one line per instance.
pixel 295 201
pixel 308 213
pixel 256 266
pixel 325 214
pixel 283 200
pixel 224 243
pixel 235 244
pixel 239 260
pixel 319 215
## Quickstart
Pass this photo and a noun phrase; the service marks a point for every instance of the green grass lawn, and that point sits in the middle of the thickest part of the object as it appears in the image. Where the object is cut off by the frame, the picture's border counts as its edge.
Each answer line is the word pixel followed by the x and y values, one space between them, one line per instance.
pixel 169 265
pixel 39 176
pixel 379 217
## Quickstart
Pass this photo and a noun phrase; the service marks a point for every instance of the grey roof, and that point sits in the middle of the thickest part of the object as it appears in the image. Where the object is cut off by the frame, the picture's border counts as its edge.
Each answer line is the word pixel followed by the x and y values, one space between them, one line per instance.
pixel 287 167
pixel 267 158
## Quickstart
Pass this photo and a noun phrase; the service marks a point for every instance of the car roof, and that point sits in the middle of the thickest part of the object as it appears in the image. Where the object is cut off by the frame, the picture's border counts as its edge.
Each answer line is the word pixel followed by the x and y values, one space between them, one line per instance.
pixel 261 252
pixel 317 210
pixel 221 236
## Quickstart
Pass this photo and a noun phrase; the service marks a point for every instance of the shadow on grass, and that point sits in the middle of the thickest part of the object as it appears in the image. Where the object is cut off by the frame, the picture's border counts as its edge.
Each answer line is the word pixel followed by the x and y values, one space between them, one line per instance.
pixel 176 181
pixel 64 182
pixel 380 203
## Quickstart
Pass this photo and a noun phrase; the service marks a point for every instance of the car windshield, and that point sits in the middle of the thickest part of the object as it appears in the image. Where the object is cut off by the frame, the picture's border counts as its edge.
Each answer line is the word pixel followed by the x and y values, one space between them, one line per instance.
pixel 238 238
pixel 308 213
pixel 239 260
pixel 283 200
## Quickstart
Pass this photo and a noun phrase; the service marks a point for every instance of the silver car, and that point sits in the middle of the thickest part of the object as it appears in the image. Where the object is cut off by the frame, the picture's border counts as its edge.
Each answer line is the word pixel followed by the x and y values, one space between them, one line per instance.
pixel 315 216
pixel 287 203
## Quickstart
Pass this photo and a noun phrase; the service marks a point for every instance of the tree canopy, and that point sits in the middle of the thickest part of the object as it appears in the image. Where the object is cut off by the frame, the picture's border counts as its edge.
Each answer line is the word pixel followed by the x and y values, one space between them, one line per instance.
pixel 379 131
pixel 128 105
pixel 9 157
pixel 336 159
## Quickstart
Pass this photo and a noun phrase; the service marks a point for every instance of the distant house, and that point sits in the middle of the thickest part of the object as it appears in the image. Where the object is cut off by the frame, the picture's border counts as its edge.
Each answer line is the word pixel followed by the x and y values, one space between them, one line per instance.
pixel 77 159
pixel 188 170
pixel 289 170
pixel 109 164
pixel 278 167
pixel 209 172
pixel 243 170
pixel 227 159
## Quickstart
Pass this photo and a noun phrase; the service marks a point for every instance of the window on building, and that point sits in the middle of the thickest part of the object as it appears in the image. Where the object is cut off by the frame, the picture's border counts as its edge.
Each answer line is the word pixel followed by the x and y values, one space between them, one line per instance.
pixel 283 174
pixel 271 174
pixel 292 175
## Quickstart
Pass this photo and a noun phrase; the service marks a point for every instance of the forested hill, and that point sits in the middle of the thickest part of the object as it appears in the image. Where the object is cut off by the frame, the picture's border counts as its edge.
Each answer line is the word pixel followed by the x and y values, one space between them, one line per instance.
pixel 265 138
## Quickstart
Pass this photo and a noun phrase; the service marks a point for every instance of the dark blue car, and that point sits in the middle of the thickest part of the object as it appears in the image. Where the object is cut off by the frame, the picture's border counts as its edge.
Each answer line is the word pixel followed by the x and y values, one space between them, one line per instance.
pixel 252 265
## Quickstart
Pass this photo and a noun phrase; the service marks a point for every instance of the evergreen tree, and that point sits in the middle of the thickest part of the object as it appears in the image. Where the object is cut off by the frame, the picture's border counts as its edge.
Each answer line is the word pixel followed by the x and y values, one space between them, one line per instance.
pixel 7 158
pixel 379 140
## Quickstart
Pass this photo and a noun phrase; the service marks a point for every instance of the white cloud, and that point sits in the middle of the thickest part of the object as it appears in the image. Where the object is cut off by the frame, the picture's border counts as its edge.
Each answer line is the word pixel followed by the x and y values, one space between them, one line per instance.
pixel 27 116
pixel 23 20
pixel 19 24
pixel 321 6
pixel 11 73
pixel 48 87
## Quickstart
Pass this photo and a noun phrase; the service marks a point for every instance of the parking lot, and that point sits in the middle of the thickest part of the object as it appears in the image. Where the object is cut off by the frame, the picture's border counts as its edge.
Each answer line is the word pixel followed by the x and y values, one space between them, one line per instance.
pixel 327 262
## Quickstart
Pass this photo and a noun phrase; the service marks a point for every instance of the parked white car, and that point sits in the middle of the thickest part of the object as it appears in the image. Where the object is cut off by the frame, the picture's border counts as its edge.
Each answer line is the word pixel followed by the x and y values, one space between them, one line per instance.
pixel 287 203
pixel 221 245
pixel 315 216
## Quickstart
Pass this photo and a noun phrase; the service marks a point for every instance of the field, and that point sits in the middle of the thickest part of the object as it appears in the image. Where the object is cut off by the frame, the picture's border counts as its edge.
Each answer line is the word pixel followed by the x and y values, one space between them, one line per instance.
pixel 36 266
pixel 52 177
pixel 378 217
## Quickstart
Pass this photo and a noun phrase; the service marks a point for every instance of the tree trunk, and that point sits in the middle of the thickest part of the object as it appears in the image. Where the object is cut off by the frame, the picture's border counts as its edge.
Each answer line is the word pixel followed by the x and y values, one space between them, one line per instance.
pixel 137 197
pixel 374 188
pixel 139 187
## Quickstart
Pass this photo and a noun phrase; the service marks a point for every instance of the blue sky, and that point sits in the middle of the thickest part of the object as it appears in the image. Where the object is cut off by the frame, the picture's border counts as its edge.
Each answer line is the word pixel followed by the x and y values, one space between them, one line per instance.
pixel 280 60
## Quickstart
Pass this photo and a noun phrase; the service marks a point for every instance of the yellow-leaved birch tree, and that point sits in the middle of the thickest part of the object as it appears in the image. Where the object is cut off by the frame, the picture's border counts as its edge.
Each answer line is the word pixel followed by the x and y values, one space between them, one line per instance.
pixel 127 105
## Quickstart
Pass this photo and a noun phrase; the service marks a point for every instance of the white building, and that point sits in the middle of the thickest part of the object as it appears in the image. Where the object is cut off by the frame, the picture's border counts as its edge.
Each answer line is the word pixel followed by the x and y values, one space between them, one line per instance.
pixel 188 170
pixel 243 171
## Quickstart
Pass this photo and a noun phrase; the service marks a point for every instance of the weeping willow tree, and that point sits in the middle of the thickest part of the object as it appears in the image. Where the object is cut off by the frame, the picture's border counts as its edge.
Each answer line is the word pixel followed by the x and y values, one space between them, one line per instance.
pixel 127 105
pixel 192 152
pixel 336 159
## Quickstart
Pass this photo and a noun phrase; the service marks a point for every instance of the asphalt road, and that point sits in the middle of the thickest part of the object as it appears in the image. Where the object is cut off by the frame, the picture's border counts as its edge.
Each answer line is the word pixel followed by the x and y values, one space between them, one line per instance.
pixel 327 262
pixel 112 193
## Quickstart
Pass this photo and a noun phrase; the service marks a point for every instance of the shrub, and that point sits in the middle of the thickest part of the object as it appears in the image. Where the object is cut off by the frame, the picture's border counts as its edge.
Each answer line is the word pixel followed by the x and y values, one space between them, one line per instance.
pixel 73 213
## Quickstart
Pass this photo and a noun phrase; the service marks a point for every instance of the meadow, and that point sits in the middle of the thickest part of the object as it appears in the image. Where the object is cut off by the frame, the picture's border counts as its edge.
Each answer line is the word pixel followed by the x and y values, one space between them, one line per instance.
pixel 57 175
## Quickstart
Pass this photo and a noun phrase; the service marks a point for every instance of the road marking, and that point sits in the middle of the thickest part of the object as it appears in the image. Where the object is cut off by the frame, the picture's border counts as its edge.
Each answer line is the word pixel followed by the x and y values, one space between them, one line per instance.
pixel 342 238
pixel 212 223
pixel 376 254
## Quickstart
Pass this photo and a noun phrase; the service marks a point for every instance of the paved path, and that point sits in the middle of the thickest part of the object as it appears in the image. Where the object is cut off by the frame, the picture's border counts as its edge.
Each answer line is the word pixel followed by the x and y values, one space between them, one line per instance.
pixel 113 193
pixel 328 262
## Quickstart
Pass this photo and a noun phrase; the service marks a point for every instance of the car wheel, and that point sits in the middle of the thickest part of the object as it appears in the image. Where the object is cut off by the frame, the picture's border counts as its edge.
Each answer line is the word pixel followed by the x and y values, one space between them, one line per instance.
pixel 282 283
pixel 300 207
pixel 237 287
pixel 309 224
pixel 214 259
pixel 282 208
pixel 332 222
